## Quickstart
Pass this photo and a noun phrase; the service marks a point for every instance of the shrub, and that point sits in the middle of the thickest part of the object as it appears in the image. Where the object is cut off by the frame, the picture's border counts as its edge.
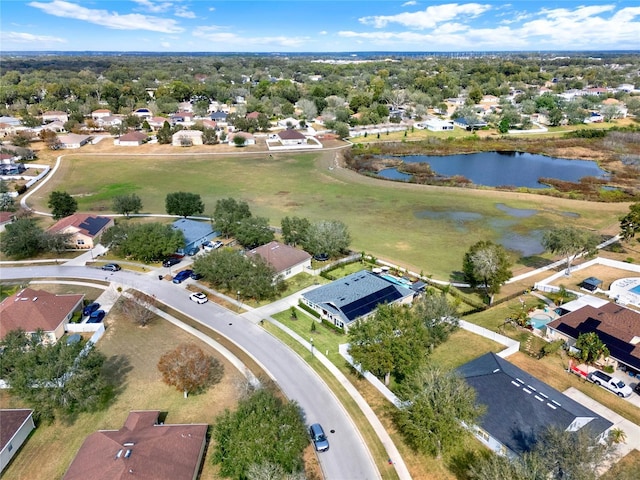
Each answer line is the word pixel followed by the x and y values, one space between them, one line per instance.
pixel 308 309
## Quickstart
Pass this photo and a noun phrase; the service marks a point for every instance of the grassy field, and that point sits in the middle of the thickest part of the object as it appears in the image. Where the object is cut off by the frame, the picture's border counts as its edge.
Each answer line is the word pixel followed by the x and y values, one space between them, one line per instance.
pixel 419 227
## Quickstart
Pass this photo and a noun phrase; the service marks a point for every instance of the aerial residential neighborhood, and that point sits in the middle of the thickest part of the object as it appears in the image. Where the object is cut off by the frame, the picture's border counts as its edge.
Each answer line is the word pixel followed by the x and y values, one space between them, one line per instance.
pixel 388 241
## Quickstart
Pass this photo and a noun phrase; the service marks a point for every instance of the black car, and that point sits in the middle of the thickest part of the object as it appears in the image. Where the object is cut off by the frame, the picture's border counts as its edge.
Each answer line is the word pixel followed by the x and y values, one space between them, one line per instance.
pixel 171 261
pixel 637 388
pixel 97 316
pixel 111 267
pixel 196 275
pixel 89 309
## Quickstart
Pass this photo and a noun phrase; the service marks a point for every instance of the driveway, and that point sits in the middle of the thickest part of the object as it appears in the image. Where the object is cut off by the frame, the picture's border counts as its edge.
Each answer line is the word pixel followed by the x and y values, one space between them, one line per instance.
pixel 630 429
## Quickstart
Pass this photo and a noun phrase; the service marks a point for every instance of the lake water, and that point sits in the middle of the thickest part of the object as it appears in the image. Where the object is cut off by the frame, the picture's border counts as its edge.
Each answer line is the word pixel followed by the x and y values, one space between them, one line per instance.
pixel 495 169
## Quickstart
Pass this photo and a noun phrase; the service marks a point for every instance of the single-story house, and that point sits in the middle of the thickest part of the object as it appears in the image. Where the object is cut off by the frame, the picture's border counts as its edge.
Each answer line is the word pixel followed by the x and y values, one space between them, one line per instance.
pixel 355 296
pixel 219 116
pixel 109 121
pixel 31 310
pixel 252 116
pixel 285 259
pixel 195 233
pixel 54 115
pixel 100 113
pixel 617 327
pixel 519 407
pixel 181 118
pixel 73 140
pixel 438 125
pixel 144 448
pixel 15 427
pixel 186 138
pixel 291 137
pixel 249 139
pixel 289 122
pixel 56 126
pixel 469 123
pixel 11 121
pixel 156 123
pixel 8 165
pixel 84 229
pixel 131 139
pixel 143 113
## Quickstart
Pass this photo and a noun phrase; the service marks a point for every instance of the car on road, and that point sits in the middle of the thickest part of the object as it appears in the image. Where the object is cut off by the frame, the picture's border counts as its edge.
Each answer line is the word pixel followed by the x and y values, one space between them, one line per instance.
pixel 97 316
pixel 610 382
pixel 111 267
pixel 182 276
pixel 89 309
pixel 198 297
pixel 209 246
pixel 196 276
pixel 170 262
pixel 318 438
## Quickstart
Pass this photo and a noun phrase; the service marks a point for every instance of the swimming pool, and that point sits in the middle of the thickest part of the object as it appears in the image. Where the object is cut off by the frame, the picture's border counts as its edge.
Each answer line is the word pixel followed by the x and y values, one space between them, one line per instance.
pixel 626 291
pixel 636 290
pixel 539 320
pixel 396 280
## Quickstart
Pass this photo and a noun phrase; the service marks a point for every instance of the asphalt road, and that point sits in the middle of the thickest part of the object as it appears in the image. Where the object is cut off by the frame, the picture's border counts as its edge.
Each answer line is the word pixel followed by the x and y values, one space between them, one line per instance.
pixel 347 458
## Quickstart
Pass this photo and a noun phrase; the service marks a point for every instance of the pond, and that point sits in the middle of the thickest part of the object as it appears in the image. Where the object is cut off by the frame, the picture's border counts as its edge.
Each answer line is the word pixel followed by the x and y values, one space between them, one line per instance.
pixel 495 169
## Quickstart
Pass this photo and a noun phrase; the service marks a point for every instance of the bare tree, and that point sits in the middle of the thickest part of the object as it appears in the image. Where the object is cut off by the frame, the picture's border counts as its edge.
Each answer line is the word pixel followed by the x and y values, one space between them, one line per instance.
pixel 189 369
pixel 138 307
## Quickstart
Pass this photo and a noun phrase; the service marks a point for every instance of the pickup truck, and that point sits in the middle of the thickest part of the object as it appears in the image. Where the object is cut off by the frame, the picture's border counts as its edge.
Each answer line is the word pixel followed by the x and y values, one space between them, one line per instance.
pixel 609 382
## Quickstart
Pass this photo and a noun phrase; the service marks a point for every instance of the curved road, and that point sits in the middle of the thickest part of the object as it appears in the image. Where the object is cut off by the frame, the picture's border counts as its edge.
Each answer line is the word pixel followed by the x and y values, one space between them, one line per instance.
pixel 347 458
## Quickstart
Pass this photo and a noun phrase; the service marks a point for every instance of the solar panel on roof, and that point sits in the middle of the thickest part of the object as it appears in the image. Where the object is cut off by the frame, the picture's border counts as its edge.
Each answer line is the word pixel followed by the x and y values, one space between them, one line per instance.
pixel 369 302
pixel 93 225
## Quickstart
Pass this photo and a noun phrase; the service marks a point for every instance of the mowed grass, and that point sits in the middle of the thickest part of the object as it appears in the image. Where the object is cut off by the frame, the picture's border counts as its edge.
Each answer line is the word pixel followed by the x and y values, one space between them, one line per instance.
pixel 418 227
pixel 132 355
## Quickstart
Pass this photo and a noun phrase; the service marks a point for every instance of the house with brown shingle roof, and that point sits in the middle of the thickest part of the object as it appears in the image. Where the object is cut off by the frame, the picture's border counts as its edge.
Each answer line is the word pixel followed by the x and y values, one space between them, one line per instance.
pixel 131 139
pixel 617 327
pixel 292 137
pixel 143 449
pixel 15 426
pixel 84 229
pixel 31 310
pixel 286 260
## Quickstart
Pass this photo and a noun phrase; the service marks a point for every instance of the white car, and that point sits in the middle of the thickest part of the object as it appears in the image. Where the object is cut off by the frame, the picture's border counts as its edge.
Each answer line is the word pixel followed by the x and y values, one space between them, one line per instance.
pixel 198 297
pixel 209 246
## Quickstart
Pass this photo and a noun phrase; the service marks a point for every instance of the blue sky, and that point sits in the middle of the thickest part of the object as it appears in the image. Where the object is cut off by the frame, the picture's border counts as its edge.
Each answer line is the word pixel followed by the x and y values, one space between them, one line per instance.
pixel 318 26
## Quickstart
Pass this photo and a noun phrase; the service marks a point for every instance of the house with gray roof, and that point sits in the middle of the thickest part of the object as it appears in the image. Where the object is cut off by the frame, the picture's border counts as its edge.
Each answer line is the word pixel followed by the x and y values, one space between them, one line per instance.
pixel 355 296
pixel 195 233
pixel 520 407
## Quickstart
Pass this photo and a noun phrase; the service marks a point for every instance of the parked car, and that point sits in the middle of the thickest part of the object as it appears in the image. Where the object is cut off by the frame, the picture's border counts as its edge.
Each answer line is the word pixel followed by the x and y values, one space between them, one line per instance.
pixel 637 388
pixel 196 275
pixel 171 261
pixel 209 246
pixel 89 309
pixel 111 267
pixel 318 437
pixel 192 251
pixel 198 297
pixel 97 316
pixel 610 382
pixel 182 276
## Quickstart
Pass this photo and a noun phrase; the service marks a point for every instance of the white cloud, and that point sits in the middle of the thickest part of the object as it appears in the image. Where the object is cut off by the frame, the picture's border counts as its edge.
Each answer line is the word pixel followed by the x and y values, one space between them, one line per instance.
pixel 323 32
pixel 131 21
pixel 212 9
pixel 410 3
pixel 165 44
pixel 232 41
pixel 428 18
pixel 154 7
pixel 581 28
pixel 184 12
pixel 22 37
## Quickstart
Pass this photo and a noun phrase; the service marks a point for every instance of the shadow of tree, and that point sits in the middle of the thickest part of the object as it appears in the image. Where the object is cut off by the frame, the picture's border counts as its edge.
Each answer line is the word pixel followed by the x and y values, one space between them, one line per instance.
pixel 116 370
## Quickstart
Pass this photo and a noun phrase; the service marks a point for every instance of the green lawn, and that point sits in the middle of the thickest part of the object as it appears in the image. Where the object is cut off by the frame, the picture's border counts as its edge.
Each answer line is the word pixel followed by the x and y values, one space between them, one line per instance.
pixel 425 228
